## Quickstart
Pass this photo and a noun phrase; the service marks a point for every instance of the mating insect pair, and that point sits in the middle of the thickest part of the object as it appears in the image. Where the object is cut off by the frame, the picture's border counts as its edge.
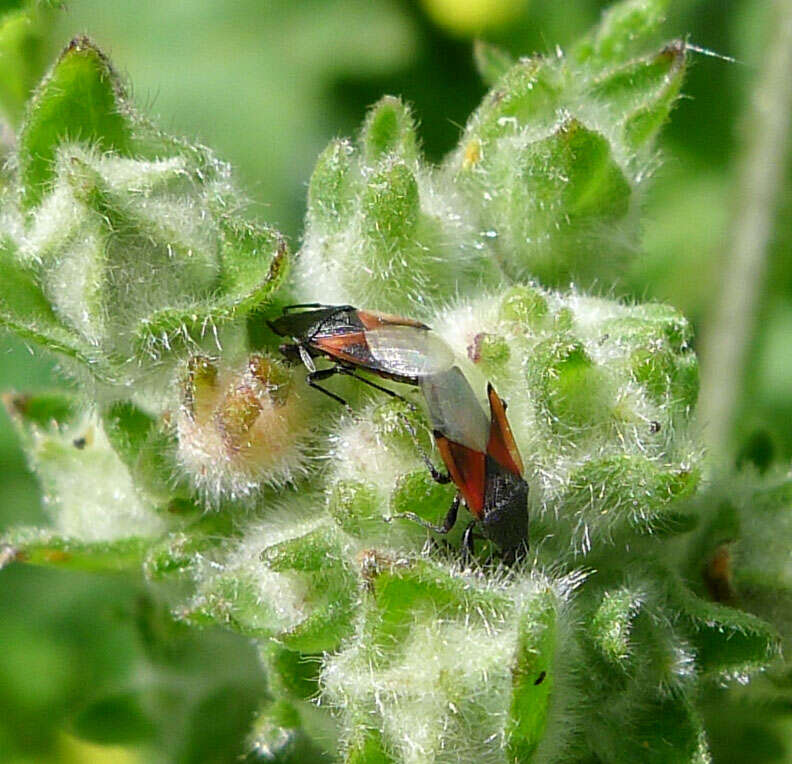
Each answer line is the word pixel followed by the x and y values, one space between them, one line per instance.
pixel 479 452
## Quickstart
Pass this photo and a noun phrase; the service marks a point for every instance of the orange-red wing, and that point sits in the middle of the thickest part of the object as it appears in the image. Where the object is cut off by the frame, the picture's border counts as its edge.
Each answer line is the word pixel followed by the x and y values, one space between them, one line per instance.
pixel 350 347
pixel 466 468
pixel 501 446
pixel 372 320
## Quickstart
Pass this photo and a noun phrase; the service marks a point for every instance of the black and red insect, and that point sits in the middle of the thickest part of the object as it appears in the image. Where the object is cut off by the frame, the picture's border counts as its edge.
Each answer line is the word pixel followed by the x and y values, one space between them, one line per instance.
pixel 479 452
pixel 483 462
pixel 389 346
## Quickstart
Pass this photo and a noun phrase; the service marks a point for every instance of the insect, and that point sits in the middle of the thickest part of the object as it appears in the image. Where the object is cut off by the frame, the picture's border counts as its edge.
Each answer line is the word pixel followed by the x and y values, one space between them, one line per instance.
pixel 483 462
pixel 479 452
pixel 389 346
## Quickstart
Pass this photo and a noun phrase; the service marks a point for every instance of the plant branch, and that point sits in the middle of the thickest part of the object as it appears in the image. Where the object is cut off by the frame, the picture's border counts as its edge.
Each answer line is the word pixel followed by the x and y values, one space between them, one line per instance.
pixel 732 319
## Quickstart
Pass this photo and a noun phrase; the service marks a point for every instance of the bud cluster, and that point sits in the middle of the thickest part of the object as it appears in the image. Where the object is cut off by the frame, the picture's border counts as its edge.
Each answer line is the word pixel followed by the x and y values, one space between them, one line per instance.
pixel 185 451
pixel 545 182
pixel 122 245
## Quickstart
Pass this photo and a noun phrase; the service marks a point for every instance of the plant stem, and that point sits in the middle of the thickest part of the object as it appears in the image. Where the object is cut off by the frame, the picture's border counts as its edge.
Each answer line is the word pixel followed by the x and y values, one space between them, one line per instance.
pixel 733 316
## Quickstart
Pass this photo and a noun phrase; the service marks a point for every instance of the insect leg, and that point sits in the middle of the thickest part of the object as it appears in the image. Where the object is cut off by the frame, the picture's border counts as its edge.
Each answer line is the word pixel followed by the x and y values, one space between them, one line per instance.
pixel 448 523
pixel 437 476
pixel 451 515
pixel 325 374
pixel 351 373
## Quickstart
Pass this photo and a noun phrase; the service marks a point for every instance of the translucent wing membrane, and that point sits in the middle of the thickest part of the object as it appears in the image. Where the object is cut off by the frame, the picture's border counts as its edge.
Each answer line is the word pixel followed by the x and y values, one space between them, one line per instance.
pixel 409 351
pixel 455 410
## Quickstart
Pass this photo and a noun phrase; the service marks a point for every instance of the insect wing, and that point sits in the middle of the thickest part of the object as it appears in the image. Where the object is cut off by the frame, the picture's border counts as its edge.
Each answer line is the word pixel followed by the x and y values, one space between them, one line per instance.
pixel 371 319
pixel 501 446
pixel 454 409
pixel 467 470
pixel 301 324
pixel 350 347
pixel 408 351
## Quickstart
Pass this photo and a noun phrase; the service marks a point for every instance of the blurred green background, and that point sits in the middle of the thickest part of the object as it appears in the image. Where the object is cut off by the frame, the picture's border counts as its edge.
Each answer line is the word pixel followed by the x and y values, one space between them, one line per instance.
pixel 86 663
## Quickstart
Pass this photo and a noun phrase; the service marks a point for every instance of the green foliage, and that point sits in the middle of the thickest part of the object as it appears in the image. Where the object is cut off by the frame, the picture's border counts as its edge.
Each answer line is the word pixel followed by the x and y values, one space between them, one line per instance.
pixel 127 257
pixel 545 182
pixel 22 28
pixel 491 61
pixel 622 32
pixel 90 492
pixel 78 101
pixel 126 252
